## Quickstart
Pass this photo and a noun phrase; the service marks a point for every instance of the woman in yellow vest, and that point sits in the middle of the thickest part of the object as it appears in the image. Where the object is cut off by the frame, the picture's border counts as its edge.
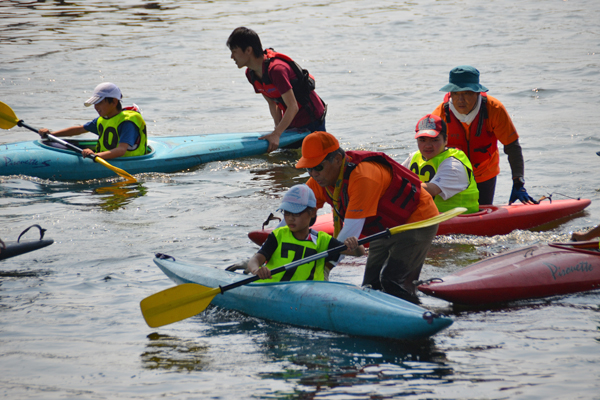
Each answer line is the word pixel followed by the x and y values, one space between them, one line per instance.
pixel 295 240
pixel 121 132
pixel 446 173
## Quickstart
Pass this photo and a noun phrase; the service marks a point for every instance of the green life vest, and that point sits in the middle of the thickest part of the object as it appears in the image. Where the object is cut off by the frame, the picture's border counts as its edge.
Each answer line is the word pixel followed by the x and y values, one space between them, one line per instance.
pixel 426 170
pixel 291 249
pixel 109 133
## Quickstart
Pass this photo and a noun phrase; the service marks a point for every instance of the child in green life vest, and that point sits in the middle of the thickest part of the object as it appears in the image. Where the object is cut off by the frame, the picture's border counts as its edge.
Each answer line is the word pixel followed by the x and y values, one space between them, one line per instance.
pixel 445 173
pixel 296 240
pixel 121 132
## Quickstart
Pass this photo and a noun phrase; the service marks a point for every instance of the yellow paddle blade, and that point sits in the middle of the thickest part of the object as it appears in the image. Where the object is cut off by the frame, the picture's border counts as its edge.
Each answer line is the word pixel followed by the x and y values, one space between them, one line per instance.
pixel 428 222
pixel 177 303
pixel 116 170
pixel 8 118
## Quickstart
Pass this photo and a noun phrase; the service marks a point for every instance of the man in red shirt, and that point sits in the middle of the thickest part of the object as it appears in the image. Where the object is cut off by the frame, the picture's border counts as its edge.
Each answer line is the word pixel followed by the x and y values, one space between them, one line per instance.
pixel 287 88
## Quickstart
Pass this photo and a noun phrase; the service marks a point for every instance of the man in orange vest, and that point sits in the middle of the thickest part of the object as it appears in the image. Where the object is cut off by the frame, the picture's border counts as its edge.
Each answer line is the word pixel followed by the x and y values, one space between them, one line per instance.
pixel 476 122
pixel 287 88
pixel 369 192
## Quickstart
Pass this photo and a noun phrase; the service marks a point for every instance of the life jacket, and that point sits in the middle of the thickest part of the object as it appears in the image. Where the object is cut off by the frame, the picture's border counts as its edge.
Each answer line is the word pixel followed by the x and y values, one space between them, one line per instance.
pixel 397 203
pixel 302 85
pixel 481 144
pixel 426 170
pixel 291 249
pixel 109 133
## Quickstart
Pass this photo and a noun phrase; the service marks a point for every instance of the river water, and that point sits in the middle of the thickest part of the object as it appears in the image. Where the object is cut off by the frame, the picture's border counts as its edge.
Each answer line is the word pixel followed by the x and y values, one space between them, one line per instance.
pixel 70 325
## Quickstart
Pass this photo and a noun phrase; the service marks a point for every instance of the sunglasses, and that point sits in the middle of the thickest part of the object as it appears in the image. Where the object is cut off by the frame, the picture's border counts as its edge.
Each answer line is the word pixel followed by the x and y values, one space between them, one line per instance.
pixel 318 168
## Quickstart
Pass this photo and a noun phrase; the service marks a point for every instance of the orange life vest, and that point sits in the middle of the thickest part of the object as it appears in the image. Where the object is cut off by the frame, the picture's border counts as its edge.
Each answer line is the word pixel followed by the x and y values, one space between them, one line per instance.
pixel 481 144
pixel 397 203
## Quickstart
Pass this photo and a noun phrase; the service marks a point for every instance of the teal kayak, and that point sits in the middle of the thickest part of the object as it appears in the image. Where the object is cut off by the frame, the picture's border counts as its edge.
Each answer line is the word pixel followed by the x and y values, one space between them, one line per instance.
pixel 49 160
pixel 331 306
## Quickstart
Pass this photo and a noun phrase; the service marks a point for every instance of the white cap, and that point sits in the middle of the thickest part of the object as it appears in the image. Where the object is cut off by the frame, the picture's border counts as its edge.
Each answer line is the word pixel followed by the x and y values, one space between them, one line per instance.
pixel 298 198
pixel 102 91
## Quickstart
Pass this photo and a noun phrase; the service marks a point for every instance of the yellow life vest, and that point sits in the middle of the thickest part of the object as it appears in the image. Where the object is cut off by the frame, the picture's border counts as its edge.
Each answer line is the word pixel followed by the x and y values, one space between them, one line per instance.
pixel 109 133
pixel 290 249
pixel 426 170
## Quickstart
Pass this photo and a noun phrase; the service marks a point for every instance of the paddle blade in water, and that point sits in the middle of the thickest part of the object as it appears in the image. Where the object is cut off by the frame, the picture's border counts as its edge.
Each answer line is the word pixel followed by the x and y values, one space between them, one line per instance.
pixel 177 303
pixel 8 119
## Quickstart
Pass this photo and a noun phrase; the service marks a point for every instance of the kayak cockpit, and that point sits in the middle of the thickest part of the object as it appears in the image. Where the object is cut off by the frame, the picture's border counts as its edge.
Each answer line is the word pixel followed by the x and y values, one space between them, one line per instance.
pixel 589 247
pixel 483 210
pixel 82 144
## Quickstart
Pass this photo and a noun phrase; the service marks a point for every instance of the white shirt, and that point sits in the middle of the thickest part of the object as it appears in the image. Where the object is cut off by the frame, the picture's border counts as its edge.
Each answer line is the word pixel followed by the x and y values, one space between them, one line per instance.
pixel 451 176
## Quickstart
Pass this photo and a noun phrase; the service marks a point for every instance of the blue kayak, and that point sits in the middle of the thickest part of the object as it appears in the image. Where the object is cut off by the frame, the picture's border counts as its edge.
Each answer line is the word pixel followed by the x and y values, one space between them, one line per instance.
pixel 49 160
pixel 331 306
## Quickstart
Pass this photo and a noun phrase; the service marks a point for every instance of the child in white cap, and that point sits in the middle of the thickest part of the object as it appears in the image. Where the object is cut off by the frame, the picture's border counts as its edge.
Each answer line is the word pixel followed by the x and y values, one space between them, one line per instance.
pixel 121 132
pixel 296 240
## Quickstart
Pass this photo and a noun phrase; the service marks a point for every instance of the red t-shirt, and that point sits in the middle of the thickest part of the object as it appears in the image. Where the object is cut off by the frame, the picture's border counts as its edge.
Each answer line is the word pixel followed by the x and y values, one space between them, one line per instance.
pixel 281 75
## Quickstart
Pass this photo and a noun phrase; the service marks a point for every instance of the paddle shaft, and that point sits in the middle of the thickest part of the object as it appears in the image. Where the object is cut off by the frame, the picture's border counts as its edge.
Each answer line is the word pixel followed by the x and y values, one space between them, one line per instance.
pixel 314 257
pixel 55 139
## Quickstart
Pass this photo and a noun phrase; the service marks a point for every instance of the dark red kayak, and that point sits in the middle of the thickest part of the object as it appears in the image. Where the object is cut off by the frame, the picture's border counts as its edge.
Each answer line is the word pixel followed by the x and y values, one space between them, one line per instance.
pixel 531 272
pixel 489 221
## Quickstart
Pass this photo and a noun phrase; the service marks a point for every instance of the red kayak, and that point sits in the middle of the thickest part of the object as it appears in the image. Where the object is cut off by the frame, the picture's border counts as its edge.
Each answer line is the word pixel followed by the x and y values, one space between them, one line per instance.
pixel 531 272
pixel 489 221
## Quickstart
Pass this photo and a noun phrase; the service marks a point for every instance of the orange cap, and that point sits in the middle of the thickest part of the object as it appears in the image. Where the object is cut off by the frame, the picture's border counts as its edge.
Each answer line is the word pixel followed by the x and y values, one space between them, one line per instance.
pixel 315 148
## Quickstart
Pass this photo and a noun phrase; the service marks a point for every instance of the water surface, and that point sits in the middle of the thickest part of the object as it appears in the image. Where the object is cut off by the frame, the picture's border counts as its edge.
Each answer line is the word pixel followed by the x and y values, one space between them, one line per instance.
pixel 70 325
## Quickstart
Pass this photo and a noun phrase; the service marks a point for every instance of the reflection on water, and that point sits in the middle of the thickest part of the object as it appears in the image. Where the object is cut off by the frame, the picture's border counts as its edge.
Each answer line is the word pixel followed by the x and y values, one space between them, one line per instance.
pixel 170 353
pixel 322 362
pixel 282 174
pixel 119 194
pixel 110 194
pixel 86 10
pixel 23 274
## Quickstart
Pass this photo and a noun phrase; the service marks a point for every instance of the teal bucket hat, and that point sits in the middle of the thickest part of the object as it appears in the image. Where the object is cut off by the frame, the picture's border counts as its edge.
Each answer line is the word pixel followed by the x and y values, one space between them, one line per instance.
pixel 464 78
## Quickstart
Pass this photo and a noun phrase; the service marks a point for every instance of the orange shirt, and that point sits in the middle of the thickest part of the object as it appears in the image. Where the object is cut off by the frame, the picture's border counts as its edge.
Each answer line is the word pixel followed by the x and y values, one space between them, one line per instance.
pixel 368 182
pixel 498 122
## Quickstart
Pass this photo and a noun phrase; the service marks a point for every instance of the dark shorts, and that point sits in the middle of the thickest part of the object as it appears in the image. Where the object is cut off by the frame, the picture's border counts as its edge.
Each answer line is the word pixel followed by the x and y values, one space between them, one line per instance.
pixel 394 263
pixel 314 126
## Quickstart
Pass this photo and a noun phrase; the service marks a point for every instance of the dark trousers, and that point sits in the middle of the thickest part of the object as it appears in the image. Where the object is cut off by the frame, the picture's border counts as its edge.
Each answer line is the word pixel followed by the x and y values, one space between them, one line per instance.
pixel 394 263
pixel 486 191
pixel 314 126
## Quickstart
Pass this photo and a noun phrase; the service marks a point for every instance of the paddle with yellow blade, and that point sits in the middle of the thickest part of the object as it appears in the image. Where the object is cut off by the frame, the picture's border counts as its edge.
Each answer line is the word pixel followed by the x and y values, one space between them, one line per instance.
pixel 189 299
pixel 8 119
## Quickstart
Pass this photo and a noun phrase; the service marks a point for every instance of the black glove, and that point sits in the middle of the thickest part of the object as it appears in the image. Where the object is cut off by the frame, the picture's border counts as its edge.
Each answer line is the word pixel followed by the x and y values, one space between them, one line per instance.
pixel 519 192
